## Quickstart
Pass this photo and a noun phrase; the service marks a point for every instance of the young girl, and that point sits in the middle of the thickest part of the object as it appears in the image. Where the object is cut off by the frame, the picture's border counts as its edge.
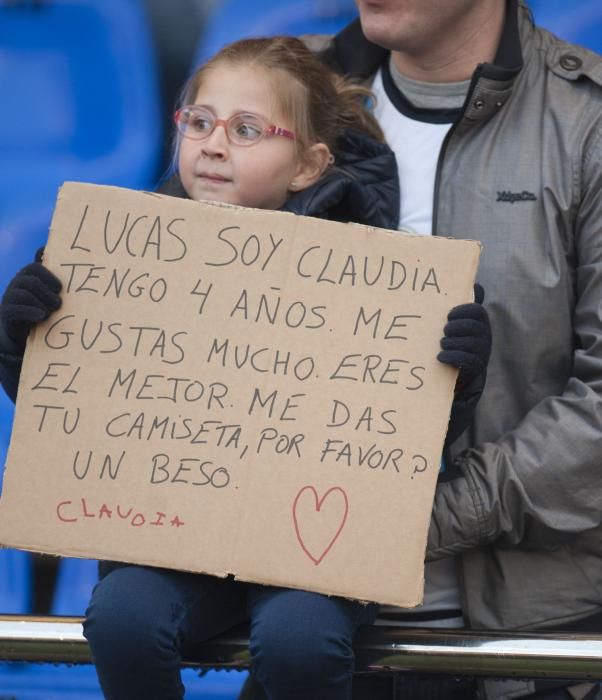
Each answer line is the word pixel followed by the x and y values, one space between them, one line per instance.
pixel 265 125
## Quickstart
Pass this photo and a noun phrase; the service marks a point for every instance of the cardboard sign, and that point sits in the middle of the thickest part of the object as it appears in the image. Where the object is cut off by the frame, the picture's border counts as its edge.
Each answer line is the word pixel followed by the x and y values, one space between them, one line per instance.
pixel 230 390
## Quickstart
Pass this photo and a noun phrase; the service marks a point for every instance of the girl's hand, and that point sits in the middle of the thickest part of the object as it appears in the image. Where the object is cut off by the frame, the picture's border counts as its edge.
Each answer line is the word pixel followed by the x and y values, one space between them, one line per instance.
pixel 31 296
pixel 466 343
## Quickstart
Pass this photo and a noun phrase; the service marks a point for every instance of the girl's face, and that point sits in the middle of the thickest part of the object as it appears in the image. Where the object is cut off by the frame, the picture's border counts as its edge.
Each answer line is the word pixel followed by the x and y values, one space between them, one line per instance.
pixel 216 169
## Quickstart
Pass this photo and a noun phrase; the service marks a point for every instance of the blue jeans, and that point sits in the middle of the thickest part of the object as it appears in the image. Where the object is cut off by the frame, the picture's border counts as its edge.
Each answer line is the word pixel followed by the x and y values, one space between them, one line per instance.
pixel 142 621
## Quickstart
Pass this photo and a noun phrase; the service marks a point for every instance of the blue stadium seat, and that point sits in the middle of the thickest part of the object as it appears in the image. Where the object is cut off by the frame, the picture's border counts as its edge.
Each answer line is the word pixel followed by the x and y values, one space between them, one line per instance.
pixel 15 581
pixel 213 685
pixel 79 92
pixel 6 411
pixel 236 19
pixel 74 583
pixel 80 101
pixel 23 681
pixel 27 681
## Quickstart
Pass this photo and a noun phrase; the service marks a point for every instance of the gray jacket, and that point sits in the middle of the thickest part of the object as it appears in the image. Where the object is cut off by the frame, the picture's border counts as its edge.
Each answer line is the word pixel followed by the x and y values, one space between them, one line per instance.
pixel 521 171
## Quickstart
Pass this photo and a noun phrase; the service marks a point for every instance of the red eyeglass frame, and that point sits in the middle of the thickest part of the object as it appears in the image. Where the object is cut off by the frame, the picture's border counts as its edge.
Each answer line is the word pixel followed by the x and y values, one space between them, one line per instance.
pixel 268 129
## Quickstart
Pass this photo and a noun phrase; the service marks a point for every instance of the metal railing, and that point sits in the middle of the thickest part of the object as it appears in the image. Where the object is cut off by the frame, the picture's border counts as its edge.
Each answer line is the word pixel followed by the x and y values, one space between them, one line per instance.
pixel 378 648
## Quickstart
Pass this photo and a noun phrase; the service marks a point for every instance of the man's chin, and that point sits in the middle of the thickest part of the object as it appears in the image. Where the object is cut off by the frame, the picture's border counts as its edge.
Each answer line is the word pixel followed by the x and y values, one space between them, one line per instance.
pixel 378 31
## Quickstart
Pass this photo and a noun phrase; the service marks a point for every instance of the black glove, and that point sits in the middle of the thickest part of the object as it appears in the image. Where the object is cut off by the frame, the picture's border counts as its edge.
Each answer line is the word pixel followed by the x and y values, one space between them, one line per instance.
pixel 31 296
pixel 467 339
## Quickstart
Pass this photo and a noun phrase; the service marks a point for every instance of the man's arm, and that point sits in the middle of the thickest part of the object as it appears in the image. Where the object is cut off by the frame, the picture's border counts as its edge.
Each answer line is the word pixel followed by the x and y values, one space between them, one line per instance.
pixel 539 484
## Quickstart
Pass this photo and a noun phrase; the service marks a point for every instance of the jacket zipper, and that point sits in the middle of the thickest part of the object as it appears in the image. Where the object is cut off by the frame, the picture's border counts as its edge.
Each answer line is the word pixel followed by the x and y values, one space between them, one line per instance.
pixel 475 78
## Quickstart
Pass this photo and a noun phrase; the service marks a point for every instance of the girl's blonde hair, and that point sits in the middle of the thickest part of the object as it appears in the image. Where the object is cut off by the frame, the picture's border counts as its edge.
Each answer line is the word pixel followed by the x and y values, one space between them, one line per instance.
pixel 319 103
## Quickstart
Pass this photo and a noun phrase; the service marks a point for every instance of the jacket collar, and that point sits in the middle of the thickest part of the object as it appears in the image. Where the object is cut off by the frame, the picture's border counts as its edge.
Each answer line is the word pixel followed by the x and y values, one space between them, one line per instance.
pixel 362 187
pixel 354 55
pixel 508 59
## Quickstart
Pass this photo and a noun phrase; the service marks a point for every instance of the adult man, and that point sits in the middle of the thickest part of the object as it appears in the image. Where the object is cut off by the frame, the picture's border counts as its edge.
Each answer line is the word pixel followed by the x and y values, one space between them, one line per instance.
pixel 497 127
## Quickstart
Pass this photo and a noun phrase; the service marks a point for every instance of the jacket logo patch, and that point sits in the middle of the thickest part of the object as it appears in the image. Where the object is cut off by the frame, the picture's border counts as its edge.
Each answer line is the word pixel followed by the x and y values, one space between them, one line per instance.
pixel 511 197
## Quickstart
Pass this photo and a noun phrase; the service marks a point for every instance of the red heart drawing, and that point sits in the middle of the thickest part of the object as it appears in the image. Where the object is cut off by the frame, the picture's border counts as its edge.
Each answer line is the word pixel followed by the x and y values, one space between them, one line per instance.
pixel 318 503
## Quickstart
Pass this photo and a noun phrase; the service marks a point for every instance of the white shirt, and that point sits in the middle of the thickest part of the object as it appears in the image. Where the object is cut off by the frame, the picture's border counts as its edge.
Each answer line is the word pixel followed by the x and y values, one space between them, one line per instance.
pixel 416 145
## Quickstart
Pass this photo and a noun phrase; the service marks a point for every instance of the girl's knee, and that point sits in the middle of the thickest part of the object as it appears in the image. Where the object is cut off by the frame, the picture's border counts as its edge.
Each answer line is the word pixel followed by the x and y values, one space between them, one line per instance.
pixel 109 624
pixel 119 617
pixel 301 637
pixel 300 655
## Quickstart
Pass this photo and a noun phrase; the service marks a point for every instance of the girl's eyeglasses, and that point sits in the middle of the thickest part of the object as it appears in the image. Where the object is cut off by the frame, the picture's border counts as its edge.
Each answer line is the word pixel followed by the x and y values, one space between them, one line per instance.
pixel 243 129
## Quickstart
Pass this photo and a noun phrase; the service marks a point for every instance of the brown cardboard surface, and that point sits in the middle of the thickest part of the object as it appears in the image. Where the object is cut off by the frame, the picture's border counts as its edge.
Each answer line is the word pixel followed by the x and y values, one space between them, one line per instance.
pixel 230 390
